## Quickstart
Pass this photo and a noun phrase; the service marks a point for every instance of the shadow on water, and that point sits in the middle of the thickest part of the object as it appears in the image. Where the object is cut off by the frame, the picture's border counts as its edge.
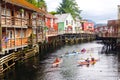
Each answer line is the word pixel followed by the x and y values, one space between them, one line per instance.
pixel 39 68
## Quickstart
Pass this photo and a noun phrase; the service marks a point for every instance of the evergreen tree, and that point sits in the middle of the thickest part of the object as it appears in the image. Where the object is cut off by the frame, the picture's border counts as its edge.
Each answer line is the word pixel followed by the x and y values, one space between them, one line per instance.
pixel 69 6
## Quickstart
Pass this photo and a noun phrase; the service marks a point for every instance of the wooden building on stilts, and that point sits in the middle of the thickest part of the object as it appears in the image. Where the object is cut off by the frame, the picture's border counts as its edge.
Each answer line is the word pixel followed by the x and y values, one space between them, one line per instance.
pixel 19 20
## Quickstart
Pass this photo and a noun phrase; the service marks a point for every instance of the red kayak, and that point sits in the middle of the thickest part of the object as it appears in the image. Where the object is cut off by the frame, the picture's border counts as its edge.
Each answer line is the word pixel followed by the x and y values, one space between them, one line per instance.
pixel 56 62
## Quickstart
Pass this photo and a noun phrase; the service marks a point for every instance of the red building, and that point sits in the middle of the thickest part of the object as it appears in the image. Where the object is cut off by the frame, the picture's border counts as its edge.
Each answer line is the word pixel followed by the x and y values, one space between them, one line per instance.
pixel 88 26
pixel 50 23
pixel 52 27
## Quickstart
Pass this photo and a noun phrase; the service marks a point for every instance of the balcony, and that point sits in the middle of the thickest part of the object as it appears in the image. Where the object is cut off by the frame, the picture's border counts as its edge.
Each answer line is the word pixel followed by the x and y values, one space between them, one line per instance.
pixel 14 43
pixel 9 21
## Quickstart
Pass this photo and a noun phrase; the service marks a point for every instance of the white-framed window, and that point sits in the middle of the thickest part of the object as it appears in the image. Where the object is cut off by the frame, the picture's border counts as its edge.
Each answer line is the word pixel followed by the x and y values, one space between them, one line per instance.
pixel 119 10
pixel 26 15
pixel 22 34
pixel 6 12
pixel 18 14
pixel 10 34
pixel 66 22
pixel 71 22
pixel 23 15
pixel 34 15
pixel 3 11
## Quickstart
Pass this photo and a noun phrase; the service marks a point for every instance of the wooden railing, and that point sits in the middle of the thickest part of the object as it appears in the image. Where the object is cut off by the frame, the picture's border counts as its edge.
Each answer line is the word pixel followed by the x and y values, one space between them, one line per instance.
pixel 36 22
pixel 51 33
pixel 6 20
pixel 13 21
pixel 12 43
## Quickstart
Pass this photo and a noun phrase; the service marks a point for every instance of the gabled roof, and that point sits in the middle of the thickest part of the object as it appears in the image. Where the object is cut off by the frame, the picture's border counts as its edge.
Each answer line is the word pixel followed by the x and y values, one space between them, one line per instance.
pixel 25 4
pixel 62 17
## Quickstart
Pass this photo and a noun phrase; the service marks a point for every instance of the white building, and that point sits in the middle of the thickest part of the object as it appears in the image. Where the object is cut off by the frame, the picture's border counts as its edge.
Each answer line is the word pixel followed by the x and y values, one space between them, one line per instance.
pixel 66 23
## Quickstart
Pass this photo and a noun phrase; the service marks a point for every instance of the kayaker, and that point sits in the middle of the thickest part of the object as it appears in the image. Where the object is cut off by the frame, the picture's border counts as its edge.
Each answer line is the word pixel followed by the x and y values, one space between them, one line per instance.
pixel 57 60
pixel 87 60
pixel 55 64
pixel 83 50
pixel 92 59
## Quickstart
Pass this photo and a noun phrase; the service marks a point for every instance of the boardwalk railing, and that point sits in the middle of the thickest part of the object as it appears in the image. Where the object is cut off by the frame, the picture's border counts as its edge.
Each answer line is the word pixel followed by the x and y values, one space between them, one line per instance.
pixel 7 62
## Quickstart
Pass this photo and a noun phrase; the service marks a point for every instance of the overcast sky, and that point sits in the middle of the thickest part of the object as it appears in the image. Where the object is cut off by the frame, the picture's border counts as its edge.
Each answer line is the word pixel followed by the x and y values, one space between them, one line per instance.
pixel 97 10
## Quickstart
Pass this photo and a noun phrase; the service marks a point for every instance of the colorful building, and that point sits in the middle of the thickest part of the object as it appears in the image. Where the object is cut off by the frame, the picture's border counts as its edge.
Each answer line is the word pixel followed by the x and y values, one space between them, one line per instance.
pixel 51 27
pixel 87 27
pixel 114 28
pixel 78 25
pixel 50 23
pixel 19 20
pixel 101 31
pixel 66 23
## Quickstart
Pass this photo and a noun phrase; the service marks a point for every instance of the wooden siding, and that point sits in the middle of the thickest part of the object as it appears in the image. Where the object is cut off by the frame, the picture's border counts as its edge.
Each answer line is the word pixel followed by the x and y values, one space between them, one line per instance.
pixel 17 25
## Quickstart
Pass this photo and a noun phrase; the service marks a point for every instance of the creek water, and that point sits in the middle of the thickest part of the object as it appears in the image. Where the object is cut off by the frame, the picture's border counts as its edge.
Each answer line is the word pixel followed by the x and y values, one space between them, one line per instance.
pixel 106 68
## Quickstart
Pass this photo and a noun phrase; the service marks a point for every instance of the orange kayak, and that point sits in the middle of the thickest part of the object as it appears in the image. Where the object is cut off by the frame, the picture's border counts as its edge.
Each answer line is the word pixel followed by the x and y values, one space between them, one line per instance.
pixel 55 64
pixel 87 63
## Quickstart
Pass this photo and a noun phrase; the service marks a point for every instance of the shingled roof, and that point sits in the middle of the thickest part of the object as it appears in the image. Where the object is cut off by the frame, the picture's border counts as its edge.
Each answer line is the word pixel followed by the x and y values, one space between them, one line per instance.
pixel 25 4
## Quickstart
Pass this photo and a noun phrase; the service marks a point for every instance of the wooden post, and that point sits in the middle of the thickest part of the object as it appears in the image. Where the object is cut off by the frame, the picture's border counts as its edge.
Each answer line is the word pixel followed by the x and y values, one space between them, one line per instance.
pixel 37 19
pixel 13 19
pixel 43 18
pixel 6 24
pixel 21 29
pixel 0 27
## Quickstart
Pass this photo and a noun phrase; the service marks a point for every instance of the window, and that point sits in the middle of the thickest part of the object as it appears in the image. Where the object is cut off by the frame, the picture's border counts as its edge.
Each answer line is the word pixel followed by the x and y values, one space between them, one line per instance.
pixel 8 12
pixel 89 27
pixel 10 34
pixel 23 15
pixel 71 22
pixel 18 14
pixel 66 22
pixel 22 34
pixel 119 10
pixel 34 15
pixel 3 11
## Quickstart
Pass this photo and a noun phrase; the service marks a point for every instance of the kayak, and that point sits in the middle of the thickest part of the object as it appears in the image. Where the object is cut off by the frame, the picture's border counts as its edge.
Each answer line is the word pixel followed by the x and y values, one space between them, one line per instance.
pixel 71 53
pixel 56 64
pixel 87 63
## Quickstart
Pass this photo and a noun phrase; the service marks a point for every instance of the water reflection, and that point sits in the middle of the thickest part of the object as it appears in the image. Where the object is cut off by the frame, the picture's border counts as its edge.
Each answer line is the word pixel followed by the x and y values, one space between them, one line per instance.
pixel 107 68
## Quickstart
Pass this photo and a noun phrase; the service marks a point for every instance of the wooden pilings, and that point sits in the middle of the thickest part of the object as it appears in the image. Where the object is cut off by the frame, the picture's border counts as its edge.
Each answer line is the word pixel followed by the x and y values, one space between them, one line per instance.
pixel 109 44
pixel 77 38
pixel 8 61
